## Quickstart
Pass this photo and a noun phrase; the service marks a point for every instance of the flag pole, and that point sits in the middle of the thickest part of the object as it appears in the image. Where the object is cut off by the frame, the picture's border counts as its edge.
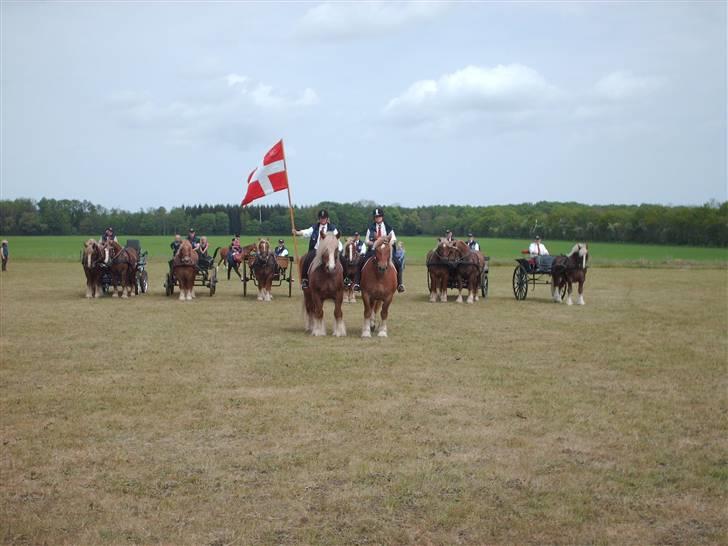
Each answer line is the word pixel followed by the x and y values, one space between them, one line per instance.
pixel 290 209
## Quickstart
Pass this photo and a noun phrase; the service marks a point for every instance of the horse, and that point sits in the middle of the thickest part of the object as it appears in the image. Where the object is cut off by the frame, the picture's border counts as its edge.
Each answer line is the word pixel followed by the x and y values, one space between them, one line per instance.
pixel 439 261
pixel 91 257
pixel 325 282
pixel 184 267
pixel 468 269
pixel 570 269
pixel 378 285
pixel 350 262
pixel 122 263
pixel 263 267
pixel 233 261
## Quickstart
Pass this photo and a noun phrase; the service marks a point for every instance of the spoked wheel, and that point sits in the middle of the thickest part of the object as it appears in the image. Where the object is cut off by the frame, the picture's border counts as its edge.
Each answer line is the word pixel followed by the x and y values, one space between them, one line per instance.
pixel 484 284
pixel 520 283
pixel 213 282
pixel 143 282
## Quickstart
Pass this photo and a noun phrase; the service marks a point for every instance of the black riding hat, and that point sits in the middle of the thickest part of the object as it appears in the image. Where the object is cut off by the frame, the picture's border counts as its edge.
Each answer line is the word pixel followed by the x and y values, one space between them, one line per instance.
pixel 378 212
pixel 323 213
pixel 280 241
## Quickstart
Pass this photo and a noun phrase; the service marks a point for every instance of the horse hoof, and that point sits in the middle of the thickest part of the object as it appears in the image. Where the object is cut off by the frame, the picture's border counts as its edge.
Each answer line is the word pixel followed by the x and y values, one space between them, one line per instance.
pixel 366 333
pixel 382 334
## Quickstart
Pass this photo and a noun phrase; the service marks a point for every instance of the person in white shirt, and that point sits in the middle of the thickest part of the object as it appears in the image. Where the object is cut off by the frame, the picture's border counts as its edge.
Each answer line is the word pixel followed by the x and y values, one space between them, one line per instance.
pixel 472 243
pixel 359 243
pixel 379 228
pixel 537 248
pixel 281 249
pixel 323 226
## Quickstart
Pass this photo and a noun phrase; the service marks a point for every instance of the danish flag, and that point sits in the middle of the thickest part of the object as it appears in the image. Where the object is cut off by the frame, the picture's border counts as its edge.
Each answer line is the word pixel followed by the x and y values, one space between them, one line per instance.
pixel 270 176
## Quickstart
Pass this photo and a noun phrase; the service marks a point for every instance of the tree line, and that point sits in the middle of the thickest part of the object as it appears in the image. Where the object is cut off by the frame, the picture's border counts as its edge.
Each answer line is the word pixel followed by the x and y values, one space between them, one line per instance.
pixel 705 225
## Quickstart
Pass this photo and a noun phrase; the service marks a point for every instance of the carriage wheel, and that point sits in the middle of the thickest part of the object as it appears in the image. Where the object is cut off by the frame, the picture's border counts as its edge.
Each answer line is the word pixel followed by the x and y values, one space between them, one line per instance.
pixel 484 284
pixel 169 285
pixel 213 282
pixel 520 283
pixel 143 282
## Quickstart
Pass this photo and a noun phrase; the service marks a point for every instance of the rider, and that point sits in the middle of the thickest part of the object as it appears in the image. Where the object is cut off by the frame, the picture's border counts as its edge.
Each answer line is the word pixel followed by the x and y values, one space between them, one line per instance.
pixel 108 235
pixel 205 259
pixel 379 228
pixel 537 248
pixel 323 226
pixel 281 249
pixel 192 238
pixel 472 243
pixel 359 243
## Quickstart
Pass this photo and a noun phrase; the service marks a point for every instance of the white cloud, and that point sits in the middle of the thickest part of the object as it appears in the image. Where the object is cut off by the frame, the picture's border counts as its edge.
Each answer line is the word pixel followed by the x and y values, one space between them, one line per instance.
pixel 337 21
pixel 513 90
pixel 239 108
pixel 621 85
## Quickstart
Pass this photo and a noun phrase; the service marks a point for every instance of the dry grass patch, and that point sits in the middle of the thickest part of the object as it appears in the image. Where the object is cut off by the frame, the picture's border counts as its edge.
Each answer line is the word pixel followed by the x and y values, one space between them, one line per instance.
pixel 218 421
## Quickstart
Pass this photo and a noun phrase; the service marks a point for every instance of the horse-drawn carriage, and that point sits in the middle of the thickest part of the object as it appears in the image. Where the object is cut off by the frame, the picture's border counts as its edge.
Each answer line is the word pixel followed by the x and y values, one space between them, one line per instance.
pixel 532 271
pixel 451 265
pixel 141 277
pixel 205 275
pixel 282 272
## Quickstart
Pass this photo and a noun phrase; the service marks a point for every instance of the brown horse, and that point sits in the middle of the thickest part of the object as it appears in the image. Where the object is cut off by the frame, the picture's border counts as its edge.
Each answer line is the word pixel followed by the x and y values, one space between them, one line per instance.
pixel 184 267
pixel 439 262
pixel 325 282
pixel 568 270
pixel 91 259
pixel 123 264
pixel 263 267
pixel 233 261
pixel 378 285
pixel 350 263
pixel 468 270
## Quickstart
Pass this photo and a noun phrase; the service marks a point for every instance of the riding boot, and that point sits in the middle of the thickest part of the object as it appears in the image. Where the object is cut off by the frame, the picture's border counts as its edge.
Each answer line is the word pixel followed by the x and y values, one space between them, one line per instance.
pixel 357 277
pixel 400 286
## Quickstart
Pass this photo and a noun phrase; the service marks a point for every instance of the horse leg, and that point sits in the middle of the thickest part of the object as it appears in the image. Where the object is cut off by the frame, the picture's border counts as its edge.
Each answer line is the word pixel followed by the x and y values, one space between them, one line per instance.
pixel 580 299
pixel 568 289
pixel 319 326
pixel 268 287
pixel 433 287
pixel 366 329
pixel 460 291
pixel 382 332
pixel 443 288
pixel 557 281
pixel 339 326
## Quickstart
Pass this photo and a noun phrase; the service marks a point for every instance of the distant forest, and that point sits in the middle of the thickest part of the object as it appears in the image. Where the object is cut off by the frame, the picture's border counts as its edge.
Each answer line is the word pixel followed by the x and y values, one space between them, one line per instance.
pixel 702 226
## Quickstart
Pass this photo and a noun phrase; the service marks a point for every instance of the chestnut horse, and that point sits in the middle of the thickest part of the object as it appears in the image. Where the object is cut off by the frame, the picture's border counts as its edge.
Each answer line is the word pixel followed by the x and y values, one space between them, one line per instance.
pixel 378 285
pixel 91 259
pixel 184 267
pixel 468 269
pixel 325 282
pixel 232 262
pixel 263 266
pixel 123 264
pixel 439 261
pixel 350 263
pixel 570 269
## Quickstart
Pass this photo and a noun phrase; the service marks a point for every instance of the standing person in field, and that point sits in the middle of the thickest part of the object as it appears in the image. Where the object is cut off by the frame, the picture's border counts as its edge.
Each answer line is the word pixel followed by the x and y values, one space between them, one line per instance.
pixel 379 228
pixel 537 248
pixel 5 254
pixel 323 226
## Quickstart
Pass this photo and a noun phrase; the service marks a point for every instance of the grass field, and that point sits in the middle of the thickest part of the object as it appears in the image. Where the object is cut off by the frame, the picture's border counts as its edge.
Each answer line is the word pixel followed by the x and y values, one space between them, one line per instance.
pixel 501 251
pixel 218 421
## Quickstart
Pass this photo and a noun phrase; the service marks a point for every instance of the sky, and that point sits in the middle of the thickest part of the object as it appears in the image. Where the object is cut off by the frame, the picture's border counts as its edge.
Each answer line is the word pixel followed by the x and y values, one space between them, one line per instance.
pixel 146 104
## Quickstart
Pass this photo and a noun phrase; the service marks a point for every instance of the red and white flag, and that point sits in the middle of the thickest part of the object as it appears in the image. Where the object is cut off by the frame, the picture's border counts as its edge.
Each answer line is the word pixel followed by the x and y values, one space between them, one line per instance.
pixel 268 177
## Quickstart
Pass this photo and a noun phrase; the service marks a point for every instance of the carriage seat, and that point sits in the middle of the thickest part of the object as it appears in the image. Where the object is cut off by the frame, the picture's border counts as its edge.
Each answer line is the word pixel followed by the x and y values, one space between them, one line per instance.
pixel 544 263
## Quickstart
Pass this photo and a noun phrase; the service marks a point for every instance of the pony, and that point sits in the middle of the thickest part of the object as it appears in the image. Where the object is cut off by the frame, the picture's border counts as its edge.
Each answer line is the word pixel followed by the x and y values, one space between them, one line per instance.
pixel 325 282
pixel 378 285
pixel 350 262
pixel 91 258
pixel 263 267
pixel 570 269
pixel 123 264
pixel 439 261
pixel 184 267
pixel 468 269
pixel 233 261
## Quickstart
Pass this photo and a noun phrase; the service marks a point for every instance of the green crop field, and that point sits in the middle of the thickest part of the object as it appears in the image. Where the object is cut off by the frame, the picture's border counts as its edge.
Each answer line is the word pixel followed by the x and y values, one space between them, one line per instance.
pixel 500 250
pixel 219 421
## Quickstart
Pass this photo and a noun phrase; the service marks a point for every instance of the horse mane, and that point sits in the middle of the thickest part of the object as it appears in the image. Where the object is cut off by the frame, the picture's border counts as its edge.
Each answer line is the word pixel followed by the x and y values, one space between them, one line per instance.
pixel 330 243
